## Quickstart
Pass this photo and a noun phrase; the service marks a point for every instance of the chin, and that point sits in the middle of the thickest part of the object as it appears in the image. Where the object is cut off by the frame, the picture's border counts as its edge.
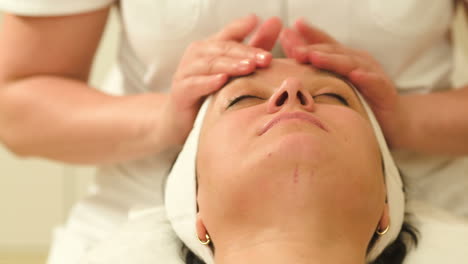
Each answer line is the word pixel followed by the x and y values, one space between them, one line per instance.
pixel 297 145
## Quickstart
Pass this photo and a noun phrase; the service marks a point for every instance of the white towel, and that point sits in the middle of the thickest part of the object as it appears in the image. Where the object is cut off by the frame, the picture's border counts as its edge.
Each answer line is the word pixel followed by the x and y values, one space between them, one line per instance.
pixel 148 238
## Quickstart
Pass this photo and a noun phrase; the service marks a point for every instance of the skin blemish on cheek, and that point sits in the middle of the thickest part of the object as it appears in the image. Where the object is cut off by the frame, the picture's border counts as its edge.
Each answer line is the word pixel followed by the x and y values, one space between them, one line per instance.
pixel 312 175
pixel 296 175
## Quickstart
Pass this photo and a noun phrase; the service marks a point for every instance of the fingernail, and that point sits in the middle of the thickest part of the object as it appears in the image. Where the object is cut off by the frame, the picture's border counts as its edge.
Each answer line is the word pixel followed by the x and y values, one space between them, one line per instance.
pixel 220 76
pixel 244 64
pixel 262 58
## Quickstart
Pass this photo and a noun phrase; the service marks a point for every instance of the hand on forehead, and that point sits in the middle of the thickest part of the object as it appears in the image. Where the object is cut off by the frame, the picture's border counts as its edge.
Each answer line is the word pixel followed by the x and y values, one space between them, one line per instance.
pixel 264 82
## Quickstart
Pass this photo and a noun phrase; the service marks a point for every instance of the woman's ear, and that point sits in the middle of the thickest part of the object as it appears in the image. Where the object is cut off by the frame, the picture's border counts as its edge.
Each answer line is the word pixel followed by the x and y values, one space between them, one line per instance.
pixel 385 219
pixel 201 229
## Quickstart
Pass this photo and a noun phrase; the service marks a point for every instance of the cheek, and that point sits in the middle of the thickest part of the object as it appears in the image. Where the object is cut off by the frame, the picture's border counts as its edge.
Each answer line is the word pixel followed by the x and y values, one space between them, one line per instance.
pixel 225 139
pixel 354 132
pixel 222 150
pixel 359 153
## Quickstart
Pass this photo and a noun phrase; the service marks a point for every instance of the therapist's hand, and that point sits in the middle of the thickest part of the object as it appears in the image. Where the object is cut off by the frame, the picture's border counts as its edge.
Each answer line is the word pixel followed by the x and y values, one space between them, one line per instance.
pixel 207 65
pixel 310 45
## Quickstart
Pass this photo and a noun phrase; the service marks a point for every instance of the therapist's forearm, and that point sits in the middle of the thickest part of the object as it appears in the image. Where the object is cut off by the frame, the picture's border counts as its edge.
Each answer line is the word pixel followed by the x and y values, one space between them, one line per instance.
pixel 436 123
pixel 65 120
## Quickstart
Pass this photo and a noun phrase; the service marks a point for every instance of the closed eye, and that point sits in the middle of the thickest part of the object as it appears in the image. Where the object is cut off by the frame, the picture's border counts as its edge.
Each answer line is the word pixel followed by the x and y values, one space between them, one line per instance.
pixel 240 98
pixel 330 98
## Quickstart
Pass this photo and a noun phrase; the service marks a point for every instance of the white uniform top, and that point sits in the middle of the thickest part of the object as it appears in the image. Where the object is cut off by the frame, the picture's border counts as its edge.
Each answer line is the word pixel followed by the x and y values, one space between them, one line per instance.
pixel 408 37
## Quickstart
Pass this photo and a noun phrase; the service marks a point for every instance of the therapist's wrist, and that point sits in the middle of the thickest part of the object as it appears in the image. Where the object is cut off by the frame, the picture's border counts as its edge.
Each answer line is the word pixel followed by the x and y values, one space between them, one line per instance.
pixel 397 125
pixel 156 130
pixel 404 130
pixel 176 124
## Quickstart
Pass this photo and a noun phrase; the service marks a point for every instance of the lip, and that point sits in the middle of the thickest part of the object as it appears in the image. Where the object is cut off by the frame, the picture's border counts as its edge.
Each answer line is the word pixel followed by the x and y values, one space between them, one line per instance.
pixel 292 115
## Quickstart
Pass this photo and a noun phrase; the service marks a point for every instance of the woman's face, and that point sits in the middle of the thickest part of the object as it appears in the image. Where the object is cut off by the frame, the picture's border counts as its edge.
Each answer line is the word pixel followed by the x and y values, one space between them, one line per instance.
pixel 293 155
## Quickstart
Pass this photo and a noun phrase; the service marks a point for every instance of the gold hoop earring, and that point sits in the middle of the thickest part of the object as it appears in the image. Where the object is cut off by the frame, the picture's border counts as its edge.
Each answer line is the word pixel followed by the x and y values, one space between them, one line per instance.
pixel 208 240
pixel 381 233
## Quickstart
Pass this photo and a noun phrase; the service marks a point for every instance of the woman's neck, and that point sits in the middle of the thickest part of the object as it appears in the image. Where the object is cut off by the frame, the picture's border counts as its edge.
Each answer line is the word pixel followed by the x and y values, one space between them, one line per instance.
pixel 272 252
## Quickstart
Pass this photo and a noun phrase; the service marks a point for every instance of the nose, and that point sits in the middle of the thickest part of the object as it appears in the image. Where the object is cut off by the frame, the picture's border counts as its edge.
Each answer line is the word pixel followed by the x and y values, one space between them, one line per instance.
pixel 291 94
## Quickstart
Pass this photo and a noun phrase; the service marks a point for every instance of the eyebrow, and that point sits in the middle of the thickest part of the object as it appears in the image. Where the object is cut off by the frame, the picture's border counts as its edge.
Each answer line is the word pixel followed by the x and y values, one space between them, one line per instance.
pixel 336 75
pixel 321 72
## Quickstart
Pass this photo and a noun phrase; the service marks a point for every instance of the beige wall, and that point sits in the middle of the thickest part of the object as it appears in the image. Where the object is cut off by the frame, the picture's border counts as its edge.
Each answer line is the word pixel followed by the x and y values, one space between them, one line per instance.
pixel 36 195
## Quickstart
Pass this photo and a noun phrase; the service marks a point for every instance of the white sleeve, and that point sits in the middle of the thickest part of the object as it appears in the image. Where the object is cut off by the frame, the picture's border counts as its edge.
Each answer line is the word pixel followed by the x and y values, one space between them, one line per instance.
pixel 51 7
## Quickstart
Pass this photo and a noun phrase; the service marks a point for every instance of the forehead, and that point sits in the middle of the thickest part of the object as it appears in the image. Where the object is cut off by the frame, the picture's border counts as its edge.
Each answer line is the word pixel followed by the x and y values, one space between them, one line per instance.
pixel 270 78
pixel 281 69
pixel 266 80
pixel 284 68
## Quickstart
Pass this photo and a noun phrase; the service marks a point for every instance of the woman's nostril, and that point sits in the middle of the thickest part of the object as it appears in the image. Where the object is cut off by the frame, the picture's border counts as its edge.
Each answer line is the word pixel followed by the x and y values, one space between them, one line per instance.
pixel 302 98
pixel 282 99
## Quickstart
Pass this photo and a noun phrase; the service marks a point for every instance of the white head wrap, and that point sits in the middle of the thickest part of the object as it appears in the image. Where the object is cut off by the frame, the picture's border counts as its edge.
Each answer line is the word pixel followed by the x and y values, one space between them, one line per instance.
pixel 181 203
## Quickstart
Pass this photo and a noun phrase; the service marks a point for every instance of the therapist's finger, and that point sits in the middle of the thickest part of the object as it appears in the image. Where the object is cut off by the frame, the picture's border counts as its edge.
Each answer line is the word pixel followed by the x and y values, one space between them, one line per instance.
pixel 342 64
pixel 312 34
pixel 327 48
pixel 267 34
pixel 231 49
pixel 290 40
pixel 217 65
pixel 368 82
pixel 239 29
pixel 333 48
pixel 196 87
pixel 301 52
pixel 364 59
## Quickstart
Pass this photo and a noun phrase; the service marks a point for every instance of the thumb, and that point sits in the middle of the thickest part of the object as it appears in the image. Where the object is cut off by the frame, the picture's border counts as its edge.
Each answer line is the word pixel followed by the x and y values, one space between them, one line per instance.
pixel 290 39
pixel 267 34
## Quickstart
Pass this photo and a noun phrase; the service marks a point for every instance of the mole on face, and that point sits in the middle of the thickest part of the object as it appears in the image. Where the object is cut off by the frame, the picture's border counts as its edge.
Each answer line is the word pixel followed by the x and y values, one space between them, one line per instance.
pixel 296 175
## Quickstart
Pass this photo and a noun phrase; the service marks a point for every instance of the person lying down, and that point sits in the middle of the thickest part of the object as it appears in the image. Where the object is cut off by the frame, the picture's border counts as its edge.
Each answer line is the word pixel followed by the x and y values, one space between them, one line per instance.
pixel 288 165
